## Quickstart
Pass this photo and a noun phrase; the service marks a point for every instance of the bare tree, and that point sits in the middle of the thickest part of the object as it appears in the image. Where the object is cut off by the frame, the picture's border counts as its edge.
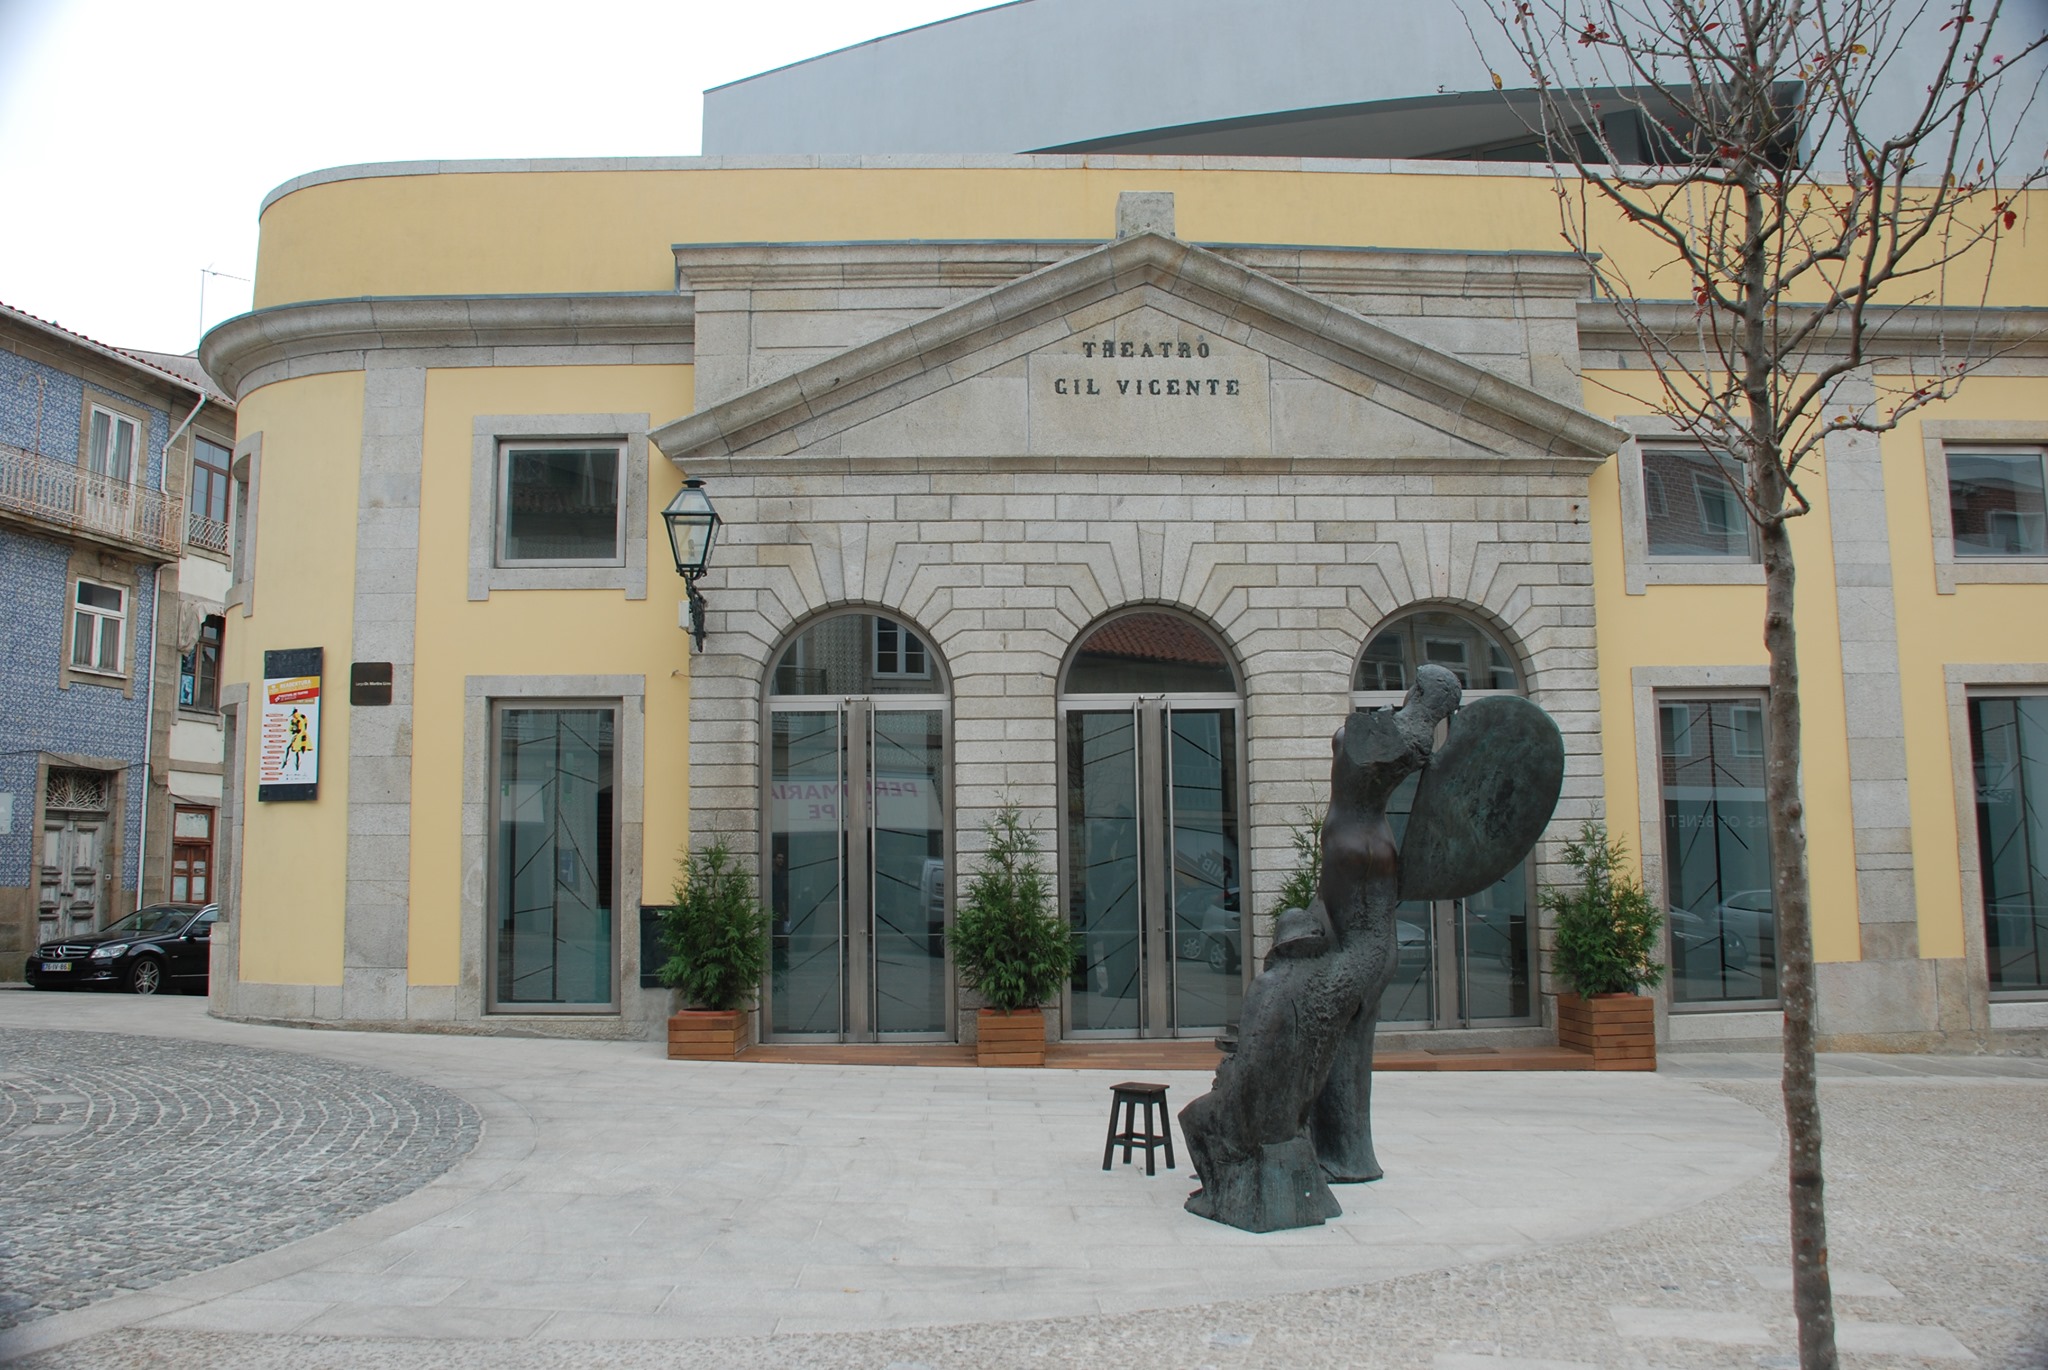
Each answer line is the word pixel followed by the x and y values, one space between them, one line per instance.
pixel 1803 175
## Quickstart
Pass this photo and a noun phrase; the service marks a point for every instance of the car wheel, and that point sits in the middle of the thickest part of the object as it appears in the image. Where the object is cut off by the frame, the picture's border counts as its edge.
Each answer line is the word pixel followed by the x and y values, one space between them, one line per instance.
pixel 146 976
pixel 1219 956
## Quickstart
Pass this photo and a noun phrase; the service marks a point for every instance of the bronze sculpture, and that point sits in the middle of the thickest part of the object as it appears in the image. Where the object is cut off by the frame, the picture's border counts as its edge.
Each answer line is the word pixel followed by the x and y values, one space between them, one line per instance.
pixel 1290 1108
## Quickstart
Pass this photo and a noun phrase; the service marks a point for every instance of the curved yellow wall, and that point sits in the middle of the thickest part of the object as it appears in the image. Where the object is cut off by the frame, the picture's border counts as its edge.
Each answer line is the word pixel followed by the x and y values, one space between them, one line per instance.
pixel 535 632
pixel 295 855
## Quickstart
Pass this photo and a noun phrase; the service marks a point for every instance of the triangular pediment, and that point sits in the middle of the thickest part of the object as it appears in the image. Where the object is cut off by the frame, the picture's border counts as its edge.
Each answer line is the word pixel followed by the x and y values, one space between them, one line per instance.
pixel 1146 349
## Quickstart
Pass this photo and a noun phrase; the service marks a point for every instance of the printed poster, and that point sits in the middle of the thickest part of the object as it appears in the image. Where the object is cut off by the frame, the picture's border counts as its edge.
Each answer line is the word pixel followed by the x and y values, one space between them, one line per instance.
pixel 288 738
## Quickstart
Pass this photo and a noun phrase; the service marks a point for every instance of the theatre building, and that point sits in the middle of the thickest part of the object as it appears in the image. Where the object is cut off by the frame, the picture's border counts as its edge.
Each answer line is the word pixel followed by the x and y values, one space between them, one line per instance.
pixel 1106 486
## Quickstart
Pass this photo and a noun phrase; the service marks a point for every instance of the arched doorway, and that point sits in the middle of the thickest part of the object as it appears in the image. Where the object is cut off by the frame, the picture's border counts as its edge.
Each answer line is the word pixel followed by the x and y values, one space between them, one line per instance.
pixel 1460 962
pixel 854 813
pixel 1151 847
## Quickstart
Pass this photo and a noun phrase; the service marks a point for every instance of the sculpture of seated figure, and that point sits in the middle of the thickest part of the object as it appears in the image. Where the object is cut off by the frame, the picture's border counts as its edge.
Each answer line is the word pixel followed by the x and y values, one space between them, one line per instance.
pixel 1290 1108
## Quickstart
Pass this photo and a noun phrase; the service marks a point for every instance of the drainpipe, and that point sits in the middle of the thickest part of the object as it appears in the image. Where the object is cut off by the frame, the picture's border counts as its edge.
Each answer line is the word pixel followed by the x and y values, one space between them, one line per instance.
pixel 156 628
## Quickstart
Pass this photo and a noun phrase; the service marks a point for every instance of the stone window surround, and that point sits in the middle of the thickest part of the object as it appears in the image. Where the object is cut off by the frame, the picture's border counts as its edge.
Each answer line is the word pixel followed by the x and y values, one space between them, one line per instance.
pixel 100 568
pixel 1950 570
pixel 628 695
pixel 1744 1018
pixel 488 433
pixel 99 616
pixel 1963 682
pixel 1639 569
pixel 136 414
pixel 242 522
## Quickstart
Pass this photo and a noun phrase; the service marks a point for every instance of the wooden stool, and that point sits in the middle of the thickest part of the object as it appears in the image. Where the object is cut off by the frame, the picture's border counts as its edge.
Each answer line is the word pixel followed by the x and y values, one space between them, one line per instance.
pixel 1131 1095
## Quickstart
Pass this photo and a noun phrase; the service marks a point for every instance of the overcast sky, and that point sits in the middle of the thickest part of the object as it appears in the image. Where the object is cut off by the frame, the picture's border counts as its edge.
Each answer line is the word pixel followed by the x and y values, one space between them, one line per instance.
pixel 138 137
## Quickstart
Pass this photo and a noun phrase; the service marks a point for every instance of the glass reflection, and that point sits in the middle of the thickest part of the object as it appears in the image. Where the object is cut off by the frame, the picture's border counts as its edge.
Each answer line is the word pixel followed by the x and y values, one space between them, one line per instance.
pixel 855 654
pixel 909 871
pixel 554 857
pixel 1717 857
pixel 806 760
pixel 1207 922
pixel 2009 746
pixel 1102 867
pixel 1150 653
pixel 1468 651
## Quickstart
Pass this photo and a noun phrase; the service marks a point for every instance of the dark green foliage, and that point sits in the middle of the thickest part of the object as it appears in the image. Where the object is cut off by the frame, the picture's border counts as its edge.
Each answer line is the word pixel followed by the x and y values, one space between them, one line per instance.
pixel 1010 946
pixel 1298 890
pixel 1606 924
pixel 716 932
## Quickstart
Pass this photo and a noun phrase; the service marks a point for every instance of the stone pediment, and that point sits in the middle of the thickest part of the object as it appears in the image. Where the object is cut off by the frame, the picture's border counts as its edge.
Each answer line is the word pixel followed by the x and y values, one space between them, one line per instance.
pixel 1145 350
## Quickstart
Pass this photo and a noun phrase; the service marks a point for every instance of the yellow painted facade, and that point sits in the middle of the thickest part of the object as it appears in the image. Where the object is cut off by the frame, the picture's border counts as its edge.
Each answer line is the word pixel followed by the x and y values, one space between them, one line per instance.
pixel 524 234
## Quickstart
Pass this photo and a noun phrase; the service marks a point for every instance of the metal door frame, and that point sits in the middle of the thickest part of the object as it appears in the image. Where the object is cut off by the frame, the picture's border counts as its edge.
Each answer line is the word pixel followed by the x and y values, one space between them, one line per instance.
pixel 1150 714
pixel 856 715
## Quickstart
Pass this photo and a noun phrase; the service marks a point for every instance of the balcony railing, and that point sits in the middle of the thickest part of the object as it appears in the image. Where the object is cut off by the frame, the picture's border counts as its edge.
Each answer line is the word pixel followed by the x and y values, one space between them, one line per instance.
pixel 201 531
pixel 47 491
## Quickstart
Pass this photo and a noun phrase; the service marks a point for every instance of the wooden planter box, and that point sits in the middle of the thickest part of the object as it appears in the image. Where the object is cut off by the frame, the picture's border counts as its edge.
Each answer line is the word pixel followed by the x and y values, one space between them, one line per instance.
pixel 1618 1030
pixel 1010 1039
pixel 704 1035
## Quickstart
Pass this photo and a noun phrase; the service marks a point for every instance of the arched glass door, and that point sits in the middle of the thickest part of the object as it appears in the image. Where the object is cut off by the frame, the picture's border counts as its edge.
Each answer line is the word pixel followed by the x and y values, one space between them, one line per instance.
pixel 855 808
pixel 1460 962
pixel 1151 856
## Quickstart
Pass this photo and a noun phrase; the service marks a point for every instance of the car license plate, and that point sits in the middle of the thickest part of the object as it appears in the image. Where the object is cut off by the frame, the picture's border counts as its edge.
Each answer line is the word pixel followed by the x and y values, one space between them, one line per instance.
pixel 56 965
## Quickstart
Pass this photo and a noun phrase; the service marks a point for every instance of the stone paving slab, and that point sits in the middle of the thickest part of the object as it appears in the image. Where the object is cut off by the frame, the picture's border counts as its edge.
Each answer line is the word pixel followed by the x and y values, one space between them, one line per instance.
pixel 1931 1192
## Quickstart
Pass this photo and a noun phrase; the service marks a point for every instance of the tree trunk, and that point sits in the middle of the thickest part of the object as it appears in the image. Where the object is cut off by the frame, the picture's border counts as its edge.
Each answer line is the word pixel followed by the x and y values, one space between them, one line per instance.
pixel 1812 1294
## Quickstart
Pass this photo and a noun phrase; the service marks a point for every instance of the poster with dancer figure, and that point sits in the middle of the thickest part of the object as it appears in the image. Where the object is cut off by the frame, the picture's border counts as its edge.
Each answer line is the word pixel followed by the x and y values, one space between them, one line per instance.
pixel 288 742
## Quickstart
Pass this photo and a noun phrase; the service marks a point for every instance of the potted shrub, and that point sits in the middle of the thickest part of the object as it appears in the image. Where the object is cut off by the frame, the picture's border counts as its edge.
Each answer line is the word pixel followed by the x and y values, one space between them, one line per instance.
pixel 1009 944
pixel 1606 941
pixel 716 934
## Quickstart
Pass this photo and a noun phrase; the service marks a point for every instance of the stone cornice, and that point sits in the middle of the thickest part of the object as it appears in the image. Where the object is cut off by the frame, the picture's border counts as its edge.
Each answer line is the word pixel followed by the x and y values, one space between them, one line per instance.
pixel 1914 333
pixel 761 416
pixel 270 340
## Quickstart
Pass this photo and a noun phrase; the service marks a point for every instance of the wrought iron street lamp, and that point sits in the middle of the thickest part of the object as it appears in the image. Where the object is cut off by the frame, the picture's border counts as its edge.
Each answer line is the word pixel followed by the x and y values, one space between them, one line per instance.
pixel 692 525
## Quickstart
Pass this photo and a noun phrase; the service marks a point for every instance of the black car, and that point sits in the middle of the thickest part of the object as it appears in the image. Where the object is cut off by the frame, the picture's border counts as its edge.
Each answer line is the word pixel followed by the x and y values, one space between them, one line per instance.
pixel 151 951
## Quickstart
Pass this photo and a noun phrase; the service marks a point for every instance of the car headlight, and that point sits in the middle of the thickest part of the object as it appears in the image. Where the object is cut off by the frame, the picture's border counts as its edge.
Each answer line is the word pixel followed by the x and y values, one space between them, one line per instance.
pixel 108 952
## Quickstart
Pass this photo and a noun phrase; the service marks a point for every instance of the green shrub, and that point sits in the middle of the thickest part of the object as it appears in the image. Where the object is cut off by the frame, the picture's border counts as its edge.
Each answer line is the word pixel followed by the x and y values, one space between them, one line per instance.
pixel 716 932
pixel 1298 890
pixel 1010 946
pixel 1606 924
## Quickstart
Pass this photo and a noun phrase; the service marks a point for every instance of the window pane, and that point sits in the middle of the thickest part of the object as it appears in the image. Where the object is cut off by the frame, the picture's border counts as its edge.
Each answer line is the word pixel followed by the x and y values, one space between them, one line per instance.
pixel 1150 653
pixel 561 504
pixel 2009 743
pixel 102 436
pixel 1717 857
pixel 210 478
pixel 122 458
pixel 99 597
pixel 1691 508
pixel 110 645
pixel 82 638
pixel 854 654
pixel 1458 644
pixel 554 833
pixel 1996 505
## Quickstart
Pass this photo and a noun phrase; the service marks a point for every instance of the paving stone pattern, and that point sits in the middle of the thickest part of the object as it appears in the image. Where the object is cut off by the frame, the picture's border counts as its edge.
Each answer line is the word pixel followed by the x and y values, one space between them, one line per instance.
pixel 1937 1227
pixel 129 1161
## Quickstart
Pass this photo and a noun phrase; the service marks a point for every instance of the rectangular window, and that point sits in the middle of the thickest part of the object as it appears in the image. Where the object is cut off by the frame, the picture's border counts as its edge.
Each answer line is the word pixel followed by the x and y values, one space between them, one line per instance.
pixel 899 652
pixel 1717 852
pixel 206 512
pixel 199 669
pixel 560 506
pixel 2009 748
pixel 1691 507
pixel 1998 504
pixel 99 620
pixel 110 445
pixel 191 855
pixel 554 839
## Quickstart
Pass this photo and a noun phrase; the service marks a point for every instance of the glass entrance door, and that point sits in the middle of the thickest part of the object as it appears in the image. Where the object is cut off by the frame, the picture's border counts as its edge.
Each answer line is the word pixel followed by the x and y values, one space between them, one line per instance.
pixel 857 872
pixel 1153 867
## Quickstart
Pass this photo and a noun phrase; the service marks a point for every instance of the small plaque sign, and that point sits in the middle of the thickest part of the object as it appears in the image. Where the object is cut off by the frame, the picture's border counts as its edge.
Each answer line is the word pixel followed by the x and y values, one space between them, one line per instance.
pixel 369 682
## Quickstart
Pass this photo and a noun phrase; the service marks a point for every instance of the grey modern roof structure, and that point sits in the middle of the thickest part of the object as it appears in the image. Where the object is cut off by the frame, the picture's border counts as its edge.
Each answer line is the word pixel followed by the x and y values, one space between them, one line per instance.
pixel 1393 79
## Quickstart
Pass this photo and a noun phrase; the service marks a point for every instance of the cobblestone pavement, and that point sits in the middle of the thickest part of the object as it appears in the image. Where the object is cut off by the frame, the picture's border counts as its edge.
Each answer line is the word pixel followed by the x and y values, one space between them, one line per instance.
pixel 128 1161
pixel 1939 1230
